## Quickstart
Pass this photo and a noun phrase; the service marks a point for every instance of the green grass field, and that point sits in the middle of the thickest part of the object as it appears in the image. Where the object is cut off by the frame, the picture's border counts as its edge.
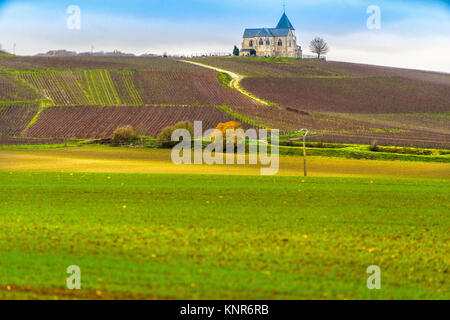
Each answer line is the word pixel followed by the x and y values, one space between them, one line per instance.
pixel 157 236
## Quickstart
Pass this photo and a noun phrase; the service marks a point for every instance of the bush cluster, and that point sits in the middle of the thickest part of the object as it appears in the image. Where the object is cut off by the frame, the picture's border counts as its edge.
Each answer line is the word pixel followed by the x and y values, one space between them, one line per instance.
pixel 164 139
pixel 124 135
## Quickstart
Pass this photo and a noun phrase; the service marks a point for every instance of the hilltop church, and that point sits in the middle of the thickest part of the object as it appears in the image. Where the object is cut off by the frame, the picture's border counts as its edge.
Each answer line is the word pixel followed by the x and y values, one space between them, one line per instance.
pixel 279 42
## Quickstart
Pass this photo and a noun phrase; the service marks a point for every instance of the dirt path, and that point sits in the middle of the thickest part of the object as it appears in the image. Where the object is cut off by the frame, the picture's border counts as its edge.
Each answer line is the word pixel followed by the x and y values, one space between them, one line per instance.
pixel 235 82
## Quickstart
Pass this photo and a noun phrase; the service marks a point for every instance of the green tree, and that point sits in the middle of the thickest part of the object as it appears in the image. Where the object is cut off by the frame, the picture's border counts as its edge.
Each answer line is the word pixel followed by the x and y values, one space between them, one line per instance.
pixel 124 135
pixel 236 51
pixel 164 139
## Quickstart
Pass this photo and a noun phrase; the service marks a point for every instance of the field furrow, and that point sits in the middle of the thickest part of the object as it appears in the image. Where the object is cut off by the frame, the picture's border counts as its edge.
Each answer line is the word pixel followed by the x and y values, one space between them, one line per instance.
pixel 100 122
pixel 15 117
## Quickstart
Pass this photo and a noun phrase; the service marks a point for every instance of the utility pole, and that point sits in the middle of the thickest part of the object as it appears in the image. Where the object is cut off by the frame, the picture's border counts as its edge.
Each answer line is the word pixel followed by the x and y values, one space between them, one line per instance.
pixel 304 133
pixel 14 49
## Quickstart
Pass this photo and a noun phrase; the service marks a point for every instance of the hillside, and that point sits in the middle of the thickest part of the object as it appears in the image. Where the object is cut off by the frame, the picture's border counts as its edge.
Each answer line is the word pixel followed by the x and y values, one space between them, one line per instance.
pixel 347 102
pixel 90 97
pixel 117 81
pixel 43 97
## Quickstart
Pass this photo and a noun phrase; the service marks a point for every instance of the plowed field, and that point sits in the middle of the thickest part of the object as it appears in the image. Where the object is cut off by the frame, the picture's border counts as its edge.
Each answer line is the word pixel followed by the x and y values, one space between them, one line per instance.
pixel 100 122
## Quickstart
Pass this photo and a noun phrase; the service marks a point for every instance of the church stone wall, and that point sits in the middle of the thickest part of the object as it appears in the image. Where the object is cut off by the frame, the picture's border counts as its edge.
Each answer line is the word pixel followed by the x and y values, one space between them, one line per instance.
pixel 288 49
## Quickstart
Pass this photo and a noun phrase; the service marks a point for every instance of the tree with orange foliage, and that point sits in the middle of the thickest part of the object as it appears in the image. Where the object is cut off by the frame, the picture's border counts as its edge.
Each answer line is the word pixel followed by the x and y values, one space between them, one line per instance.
pixel 231 125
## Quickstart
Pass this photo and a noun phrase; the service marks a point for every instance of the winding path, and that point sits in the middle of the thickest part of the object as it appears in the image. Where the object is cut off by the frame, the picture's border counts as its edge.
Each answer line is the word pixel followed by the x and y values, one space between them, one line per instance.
pixel 235 83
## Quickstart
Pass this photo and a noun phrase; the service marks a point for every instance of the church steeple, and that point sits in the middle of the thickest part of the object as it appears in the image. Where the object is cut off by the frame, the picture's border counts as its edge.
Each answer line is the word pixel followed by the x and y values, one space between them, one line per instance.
pixel 285 23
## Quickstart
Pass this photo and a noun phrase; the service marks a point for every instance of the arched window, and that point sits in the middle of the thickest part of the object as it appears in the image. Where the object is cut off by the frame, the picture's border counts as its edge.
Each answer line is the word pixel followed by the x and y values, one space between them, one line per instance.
pixel 290 43
pixel 250 43
pixel 261 42
pixel 268 42
pixel 280 43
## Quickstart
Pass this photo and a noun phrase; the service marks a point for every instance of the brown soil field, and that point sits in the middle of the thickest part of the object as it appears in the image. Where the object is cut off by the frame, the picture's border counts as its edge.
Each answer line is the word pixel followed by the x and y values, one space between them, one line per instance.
pixel 100 122
pixel 406 139
pixel 43 63
pixel 342 102
pixel 15 117
pixel 76 63
pixel 364 70
pixel 195 88
pixel 12 89
pixel 311 68
pixel 353 95
pixel 291 120
pixel 421 130
pixel 426 122
pixel 62 88
pixel 117 81
pixel 347 102
pixel 260 68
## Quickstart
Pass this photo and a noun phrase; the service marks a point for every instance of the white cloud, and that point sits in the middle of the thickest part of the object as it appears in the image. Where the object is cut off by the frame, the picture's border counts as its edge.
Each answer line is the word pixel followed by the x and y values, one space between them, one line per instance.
pixel 416 52
pixel 417 43
pixel 427 46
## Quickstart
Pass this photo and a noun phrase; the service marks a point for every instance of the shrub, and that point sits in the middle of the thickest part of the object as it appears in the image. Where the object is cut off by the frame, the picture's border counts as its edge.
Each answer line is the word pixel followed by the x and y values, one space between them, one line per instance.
pixel 164 139
pixel 405 150
pixel 124 135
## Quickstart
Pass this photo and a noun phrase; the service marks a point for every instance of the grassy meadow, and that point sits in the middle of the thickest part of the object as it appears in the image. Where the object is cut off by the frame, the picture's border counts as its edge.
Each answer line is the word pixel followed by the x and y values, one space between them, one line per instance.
pixel 142 228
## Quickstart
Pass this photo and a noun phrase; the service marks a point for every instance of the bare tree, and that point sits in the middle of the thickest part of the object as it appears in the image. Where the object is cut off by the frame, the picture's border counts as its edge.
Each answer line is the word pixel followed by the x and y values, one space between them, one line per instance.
pixel 319 46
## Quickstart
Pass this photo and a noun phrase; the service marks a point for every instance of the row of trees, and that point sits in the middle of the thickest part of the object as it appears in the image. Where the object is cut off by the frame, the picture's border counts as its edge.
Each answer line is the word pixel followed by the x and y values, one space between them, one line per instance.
pixel 126 135
pixel 317 45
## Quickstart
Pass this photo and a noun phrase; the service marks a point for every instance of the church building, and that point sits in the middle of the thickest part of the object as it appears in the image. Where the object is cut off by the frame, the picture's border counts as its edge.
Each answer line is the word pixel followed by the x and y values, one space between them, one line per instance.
pixel 279 42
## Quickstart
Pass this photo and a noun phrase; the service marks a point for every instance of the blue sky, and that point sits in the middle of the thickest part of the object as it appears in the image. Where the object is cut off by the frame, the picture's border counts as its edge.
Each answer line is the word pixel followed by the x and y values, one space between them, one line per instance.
pixel 414 34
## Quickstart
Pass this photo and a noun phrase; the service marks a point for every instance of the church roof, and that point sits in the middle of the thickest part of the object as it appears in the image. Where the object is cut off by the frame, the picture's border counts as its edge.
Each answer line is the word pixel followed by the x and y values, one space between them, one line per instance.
pixel 266 32
pixel 261 32
pixel 285 23
pixel 282 29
